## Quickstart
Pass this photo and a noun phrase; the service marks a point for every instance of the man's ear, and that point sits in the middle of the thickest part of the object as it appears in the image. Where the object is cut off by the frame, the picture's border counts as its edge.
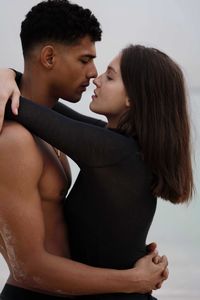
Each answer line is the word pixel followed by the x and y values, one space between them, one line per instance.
pixel 47 56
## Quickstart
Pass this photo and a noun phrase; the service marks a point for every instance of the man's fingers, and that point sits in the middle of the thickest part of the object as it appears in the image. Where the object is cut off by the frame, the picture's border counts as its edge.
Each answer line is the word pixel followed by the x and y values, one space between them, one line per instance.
pixel 164 261
pixel 15 102
pixel 152 255
pixel 157 259
pixel 151 247
pixel 165 273
pixel 159 285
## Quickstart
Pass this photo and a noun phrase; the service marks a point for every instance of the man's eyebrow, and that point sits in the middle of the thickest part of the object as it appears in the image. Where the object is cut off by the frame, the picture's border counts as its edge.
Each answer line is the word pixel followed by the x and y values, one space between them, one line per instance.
pixel 88 56
pixel 110 68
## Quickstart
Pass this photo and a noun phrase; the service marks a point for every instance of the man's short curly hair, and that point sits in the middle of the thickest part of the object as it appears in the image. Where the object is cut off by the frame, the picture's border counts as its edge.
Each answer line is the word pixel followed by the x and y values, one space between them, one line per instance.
pixel 58 21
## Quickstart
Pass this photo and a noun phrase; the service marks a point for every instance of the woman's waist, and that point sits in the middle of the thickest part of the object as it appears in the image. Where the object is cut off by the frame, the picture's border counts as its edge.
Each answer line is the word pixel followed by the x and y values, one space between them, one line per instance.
pixel 107 257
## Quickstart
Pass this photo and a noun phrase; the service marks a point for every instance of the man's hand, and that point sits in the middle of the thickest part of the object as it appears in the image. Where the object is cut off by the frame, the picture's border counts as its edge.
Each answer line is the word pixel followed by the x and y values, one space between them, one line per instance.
pixel 150 275
pixel 152 247
pixel 8 90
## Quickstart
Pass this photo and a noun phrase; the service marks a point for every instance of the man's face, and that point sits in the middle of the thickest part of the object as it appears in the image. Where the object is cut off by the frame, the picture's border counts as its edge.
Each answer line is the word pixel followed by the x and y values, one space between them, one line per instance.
pixel 73 69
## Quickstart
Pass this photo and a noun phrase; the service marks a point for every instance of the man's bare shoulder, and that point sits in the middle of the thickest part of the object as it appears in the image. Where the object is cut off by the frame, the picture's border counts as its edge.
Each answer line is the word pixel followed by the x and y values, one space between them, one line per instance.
pixel 14 132
pixel 18 148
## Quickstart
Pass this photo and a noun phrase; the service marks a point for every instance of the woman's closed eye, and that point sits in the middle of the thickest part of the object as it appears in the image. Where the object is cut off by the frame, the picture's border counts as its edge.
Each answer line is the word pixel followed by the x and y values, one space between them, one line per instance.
pixel 109 77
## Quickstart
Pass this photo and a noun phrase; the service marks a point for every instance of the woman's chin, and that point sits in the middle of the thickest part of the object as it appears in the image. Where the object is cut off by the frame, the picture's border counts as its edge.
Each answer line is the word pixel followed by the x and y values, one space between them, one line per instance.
pixel 93 108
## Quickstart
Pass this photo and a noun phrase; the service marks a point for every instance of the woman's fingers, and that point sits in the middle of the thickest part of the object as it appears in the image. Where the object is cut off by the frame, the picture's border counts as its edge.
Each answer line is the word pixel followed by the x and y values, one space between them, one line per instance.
pixel 15 101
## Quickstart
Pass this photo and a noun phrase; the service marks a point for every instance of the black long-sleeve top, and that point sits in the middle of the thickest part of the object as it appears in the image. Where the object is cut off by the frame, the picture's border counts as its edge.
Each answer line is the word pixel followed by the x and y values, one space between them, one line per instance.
pixel 110 207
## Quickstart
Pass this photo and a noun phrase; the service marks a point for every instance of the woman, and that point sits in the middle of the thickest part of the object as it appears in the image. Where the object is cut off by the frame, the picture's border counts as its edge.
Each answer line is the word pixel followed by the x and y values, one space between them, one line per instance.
pixel 142 153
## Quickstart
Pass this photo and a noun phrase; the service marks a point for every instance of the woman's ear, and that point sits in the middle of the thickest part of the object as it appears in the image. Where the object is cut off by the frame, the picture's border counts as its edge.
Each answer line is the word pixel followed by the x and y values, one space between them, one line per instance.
pixel 47 56
pixel 128 102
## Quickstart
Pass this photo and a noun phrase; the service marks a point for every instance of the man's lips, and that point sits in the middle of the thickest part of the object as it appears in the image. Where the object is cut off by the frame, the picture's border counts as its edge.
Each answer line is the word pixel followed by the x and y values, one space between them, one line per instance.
pixel 84 86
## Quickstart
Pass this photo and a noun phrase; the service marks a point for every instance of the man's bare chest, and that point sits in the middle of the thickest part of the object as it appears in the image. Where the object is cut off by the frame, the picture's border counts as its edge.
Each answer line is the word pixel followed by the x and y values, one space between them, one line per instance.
pixel 56 176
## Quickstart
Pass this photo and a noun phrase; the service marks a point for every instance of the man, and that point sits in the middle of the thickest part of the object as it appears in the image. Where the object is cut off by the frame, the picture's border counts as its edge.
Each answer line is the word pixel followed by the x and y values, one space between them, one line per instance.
pixel 58 41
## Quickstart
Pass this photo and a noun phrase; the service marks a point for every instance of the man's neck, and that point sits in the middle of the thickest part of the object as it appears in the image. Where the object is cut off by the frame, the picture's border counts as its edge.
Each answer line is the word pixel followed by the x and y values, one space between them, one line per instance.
pixel 34 87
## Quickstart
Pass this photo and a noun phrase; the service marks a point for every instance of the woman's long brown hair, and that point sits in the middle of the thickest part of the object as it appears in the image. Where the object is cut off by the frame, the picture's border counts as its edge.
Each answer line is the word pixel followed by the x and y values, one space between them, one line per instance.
pixel 158 117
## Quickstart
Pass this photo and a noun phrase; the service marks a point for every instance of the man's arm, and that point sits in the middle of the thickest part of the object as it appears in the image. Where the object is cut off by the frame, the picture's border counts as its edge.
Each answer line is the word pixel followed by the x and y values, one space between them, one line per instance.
pixel 23 231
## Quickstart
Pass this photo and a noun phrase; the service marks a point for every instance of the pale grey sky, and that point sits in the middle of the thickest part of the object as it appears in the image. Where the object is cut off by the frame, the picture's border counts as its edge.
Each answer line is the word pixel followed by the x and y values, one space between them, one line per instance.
pixel 171 25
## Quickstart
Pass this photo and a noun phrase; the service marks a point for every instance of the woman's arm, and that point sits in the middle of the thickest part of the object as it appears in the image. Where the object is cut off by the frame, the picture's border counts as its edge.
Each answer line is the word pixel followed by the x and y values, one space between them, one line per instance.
pixel 86 144
pixel 65 110
pixel 8 90
pixel 70 113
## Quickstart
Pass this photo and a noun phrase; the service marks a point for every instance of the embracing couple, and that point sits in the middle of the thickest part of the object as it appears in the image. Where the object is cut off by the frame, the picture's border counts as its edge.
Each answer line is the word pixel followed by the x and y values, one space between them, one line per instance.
pixel 91 244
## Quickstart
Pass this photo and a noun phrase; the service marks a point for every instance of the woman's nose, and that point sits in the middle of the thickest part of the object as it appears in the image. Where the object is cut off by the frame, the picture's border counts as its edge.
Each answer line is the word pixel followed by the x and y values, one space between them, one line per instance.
pixel 96 81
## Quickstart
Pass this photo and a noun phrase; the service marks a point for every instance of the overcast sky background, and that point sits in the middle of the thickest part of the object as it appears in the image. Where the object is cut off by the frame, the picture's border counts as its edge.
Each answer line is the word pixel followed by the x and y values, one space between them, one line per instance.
pixel 174 27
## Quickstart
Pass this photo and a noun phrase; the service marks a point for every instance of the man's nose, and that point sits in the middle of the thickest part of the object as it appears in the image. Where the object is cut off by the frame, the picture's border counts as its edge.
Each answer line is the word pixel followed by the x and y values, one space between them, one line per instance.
pixel 92 72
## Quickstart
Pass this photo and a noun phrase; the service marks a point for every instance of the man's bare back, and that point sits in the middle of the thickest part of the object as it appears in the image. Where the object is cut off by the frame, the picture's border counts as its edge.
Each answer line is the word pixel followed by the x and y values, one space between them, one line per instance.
pixel 36 165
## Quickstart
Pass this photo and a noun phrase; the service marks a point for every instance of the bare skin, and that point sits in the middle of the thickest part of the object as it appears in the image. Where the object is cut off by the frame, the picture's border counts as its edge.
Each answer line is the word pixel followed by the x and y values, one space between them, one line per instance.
pixel 41 179
pixel 33 237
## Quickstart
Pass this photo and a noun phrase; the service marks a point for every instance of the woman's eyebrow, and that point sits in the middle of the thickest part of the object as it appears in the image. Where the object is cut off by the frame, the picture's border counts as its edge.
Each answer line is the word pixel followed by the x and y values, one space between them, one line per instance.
pixel 110 68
